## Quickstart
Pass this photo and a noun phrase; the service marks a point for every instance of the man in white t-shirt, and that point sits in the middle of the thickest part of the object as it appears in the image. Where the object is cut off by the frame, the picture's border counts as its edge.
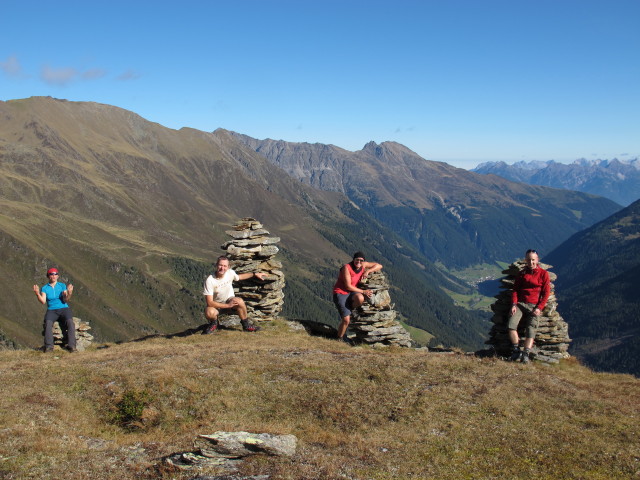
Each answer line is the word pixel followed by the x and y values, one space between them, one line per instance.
pixel 218 292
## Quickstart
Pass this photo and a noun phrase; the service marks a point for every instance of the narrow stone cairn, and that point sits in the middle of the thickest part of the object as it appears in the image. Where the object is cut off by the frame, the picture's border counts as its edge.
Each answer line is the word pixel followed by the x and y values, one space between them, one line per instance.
pixel 552 340
pixel 375 321
pixel 83 337
pixel 251 249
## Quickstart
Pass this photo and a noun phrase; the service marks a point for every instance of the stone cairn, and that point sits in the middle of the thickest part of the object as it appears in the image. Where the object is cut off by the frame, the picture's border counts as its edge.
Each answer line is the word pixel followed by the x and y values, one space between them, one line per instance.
pixel 251 249
pixel 552 340
pixel 375 321
pixel 83 337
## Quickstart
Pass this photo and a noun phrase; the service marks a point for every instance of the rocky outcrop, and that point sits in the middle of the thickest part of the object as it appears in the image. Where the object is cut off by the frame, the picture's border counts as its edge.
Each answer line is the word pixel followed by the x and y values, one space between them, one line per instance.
pixel 251 249
pixel 83 337
pixel 224 450
pixel 552 338
pixel 375 322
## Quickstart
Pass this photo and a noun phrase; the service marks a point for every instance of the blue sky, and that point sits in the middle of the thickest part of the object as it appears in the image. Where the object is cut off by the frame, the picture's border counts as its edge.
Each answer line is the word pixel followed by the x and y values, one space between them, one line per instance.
pixel 458 81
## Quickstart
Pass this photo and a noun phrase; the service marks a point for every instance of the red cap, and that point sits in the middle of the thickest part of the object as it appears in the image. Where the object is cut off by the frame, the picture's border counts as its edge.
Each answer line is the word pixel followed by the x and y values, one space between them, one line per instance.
pixel 52 270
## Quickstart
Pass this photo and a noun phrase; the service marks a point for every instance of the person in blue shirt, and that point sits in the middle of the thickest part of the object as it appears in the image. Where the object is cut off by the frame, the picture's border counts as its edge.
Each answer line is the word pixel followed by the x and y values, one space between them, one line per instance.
pixel 56 295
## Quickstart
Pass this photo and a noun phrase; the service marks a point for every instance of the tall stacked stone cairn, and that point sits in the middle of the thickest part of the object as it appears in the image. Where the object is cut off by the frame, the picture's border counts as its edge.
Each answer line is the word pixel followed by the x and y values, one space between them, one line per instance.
pixel 375 321
pixel 551 342
pixel 251 249
pixel 83 337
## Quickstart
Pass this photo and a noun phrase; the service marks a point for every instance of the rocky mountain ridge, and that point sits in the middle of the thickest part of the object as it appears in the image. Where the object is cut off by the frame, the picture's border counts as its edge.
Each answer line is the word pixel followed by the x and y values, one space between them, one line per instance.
pixel 616 179
pixel 453 216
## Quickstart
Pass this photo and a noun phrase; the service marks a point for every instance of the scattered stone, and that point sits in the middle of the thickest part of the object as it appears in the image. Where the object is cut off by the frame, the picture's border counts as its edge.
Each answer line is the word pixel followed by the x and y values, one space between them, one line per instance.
pixel 552 340
pixel 225 450
pixel 375 321
pixel 83 337
pixel 198 462
pixel 241 444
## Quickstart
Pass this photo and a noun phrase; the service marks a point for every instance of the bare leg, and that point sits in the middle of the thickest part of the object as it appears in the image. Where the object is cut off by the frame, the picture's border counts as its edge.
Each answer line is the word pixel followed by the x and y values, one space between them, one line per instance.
pixel 240 307
pixel 344 324
pixel 356 301
pixel 211 314
pixel 514 337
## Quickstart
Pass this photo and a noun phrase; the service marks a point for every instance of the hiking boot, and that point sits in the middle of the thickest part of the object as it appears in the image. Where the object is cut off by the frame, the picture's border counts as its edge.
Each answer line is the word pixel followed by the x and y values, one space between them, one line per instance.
pixel 525 357
pixel 247 327
pixel 346 339
pixel 515 355
pixel 213 326
pixel 47 349
pixel 72 350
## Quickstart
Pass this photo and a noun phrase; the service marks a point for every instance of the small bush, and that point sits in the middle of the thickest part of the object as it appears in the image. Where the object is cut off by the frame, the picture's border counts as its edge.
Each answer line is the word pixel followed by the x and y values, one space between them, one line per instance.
pixel 130 409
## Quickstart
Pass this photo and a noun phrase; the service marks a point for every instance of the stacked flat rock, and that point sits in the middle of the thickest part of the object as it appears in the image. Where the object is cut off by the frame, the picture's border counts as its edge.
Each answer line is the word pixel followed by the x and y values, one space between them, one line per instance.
pixel 251 249
pixel 375 321
pixel 552 340
pixel 83 337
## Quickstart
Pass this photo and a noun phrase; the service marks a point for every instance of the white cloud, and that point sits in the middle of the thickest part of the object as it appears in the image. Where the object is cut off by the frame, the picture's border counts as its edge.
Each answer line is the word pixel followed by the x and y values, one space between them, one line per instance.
pixel 94 74
pixel 58 76
pixel 12 67
pixel 129 75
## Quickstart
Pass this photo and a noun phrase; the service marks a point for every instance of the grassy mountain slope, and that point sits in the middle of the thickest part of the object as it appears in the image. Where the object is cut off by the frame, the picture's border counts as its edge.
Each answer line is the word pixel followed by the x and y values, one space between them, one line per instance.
pixel 133 213
pixel 356 412
pixel 451 215
pixel 598 283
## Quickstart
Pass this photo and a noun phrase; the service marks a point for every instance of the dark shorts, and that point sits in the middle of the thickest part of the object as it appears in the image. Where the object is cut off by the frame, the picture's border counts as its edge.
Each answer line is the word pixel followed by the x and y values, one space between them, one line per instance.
pixel 343 303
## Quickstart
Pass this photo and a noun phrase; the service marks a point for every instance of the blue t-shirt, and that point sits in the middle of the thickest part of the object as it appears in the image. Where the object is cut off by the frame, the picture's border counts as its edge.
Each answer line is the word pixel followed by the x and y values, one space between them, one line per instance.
pixel 54 295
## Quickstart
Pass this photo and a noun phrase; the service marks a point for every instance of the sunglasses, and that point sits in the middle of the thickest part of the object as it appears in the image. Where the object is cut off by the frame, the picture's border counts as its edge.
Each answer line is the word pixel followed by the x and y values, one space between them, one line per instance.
pixel 358 260
pixel 52 274
pixel 531 251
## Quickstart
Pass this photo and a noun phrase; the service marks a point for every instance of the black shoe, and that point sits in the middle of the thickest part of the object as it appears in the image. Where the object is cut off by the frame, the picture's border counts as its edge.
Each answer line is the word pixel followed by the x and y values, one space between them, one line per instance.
pixel 47 349
pixel 72 350
pixel 515 356
pixel 211 328
pixel 525 357
pixel 247 327
pixel 345 339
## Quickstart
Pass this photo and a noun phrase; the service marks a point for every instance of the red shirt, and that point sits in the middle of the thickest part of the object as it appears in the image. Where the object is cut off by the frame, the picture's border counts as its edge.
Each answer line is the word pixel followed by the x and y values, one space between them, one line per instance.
pixel 532 286
pixel 340 287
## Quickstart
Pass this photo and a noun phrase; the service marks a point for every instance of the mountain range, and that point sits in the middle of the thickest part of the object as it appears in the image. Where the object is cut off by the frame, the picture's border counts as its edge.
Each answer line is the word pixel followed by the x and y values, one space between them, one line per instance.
pixel 454 217
pixel 618 180
pixel 597 288
pixel 133 213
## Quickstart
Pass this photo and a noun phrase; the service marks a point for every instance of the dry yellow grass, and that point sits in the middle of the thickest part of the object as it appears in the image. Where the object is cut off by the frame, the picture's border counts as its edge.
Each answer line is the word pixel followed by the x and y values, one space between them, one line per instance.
pixel 359 413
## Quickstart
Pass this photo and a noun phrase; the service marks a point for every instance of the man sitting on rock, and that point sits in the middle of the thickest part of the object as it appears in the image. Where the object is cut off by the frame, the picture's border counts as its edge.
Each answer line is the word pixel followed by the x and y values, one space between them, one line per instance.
pixel 347 296
pixel 218 292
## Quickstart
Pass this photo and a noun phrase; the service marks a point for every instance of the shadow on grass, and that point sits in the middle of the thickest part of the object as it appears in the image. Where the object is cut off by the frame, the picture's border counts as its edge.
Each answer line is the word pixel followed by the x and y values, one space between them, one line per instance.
pixel 315 329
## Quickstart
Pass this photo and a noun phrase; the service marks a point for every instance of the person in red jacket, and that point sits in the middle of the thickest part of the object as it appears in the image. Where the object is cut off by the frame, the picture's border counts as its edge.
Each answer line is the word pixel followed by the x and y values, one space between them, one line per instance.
pixel 531 291
pixel 347 296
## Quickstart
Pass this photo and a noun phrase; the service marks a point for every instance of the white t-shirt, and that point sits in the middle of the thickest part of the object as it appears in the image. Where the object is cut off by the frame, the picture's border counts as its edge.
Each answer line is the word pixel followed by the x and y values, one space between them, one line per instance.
pixel 221 288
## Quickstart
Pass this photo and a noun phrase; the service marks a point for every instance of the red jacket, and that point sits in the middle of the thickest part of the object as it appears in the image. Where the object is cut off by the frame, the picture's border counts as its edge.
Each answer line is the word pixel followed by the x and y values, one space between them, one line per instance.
pixel 532 286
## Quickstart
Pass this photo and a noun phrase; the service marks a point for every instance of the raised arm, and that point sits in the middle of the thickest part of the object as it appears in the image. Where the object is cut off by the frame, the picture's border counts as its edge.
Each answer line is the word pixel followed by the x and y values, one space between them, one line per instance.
pixel 66 295
pixel 42 297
